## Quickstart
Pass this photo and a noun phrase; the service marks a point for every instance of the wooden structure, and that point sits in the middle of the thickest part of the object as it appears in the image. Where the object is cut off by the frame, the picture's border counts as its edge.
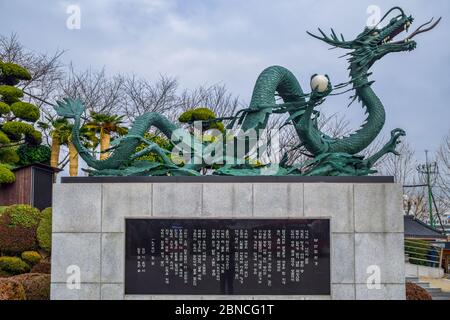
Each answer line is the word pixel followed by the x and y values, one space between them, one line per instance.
pixel 33 186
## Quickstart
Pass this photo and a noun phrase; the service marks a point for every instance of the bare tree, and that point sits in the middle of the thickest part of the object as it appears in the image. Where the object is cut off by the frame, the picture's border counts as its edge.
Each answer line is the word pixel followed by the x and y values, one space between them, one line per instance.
pixel 443 177
pixel 99 93
pixel 143 96
pixel 46 70
pixel 215 97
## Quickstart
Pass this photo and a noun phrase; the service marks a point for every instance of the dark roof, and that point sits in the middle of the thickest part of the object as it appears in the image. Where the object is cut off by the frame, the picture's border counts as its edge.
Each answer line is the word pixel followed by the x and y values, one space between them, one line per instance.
pixel 414 228
pixel 38 165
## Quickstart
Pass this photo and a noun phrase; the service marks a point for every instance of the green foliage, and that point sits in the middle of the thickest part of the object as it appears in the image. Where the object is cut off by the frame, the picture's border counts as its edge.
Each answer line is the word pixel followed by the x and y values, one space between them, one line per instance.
pixel 11 73
pixel 6 175
pixel 9 155
pixel 4 139
pixel 10 94
pixel 18 225
pixel 34 138
pixel 163 142
pixel 202 114
pixel 13 265
pixel 29 154
pixel 31 257
pixel 25 111
pixel 44 230
pixel 199 114
pixel 23 215
pixel 4 108
pixel 15 129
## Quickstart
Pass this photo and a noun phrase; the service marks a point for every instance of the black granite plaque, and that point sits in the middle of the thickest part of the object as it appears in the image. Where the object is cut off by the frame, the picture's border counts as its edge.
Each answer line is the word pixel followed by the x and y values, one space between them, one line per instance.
pixel 228 256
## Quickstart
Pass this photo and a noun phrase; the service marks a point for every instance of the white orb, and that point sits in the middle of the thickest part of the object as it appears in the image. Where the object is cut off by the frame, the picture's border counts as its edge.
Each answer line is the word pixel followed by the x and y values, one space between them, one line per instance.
pixel 319 83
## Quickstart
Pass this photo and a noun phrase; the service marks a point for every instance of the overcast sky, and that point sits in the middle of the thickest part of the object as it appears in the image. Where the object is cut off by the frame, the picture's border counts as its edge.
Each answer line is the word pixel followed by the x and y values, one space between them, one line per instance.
pixel 232 41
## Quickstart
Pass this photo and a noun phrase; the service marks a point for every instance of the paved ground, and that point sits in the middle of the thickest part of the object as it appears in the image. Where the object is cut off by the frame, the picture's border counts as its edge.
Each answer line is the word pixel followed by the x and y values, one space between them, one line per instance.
pixel 443 284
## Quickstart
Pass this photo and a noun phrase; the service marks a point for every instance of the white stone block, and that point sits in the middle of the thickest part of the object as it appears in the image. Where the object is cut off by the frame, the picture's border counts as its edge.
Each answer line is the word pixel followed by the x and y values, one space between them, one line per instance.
pixel 331 200
pixel 343 292
pixel 342 258
pixel 383 250
pixel 177 200
pixel 227 200
pixel 386 292
pixel 77 207
pixel 378 208
pixel 81 250
pixel 277 200
pixel 112 291
pixel 113 257
pixel 124 200
pixel 87 291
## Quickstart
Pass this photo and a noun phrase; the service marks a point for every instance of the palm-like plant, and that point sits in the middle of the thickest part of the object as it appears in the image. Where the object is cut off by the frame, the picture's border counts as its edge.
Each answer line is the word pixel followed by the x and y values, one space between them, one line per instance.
pixel 106 125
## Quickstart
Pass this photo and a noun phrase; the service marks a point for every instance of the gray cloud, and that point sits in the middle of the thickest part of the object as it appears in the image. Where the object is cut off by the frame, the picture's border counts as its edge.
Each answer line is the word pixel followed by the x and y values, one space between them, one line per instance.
pixel 231 41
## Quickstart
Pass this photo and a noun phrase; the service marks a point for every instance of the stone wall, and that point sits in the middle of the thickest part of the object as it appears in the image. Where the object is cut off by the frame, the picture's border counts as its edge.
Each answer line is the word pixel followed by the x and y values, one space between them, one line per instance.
pixel 366 229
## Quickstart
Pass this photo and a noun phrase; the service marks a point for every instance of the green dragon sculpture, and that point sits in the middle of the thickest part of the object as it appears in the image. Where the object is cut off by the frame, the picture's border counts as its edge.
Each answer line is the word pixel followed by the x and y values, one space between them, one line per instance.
pixel 329 156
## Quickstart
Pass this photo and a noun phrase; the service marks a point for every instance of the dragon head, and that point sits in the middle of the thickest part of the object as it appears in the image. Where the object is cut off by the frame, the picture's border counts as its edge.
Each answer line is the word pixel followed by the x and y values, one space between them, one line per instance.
pixel 374 42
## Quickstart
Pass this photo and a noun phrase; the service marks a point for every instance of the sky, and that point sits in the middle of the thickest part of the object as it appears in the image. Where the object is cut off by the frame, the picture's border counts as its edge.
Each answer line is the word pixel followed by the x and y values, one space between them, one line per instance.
pixel 231 41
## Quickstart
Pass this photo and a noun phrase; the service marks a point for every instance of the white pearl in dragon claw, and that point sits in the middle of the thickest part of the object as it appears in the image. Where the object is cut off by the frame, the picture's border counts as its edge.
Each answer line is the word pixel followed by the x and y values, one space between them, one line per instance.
pixel 319 83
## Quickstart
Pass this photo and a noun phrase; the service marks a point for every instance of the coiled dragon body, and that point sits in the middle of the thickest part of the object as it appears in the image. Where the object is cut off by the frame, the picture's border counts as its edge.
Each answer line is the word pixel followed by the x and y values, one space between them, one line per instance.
pixel 331 156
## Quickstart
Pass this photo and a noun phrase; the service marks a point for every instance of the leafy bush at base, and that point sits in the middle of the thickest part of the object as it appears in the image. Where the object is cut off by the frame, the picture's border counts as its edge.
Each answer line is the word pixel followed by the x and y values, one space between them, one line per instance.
pixel 36 285
pixel 13 265
pixel 31 257
pixel 415 292
pixel 42 267
pixel 44 230
pixel 18 225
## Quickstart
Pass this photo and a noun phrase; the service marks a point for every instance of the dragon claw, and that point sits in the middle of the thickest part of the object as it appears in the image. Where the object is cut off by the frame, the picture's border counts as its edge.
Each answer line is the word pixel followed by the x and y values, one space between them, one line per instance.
pixel 69 108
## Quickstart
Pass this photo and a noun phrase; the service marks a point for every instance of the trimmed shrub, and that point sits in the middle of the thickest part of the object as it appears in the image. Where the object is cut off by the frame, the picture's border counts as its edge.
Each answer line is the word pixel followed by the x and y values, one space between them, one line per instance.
pixel 11 290
pixel 9 155
pixel 36 285
pixel 6 176
pixel 4 139
pixel 10 94
pixel 4 108
pixel 42 267
pixel 34 138
pixel 25 111
pixel 15 129
pixel 416 292
pixel 11 73
pixel 44 230
pixel 23 215
pixel 18 225
pixel 31 257
pixel 13 265
pixel 28 154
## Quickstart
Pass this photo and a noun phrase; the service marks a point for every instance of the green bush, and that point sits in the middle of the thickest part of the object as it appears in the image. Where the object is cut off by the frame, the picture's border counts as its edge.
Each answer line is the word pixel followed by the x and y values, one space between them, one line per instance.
pixel 6 175
pixel 9 155
pixel 18 225
pixel 31 257
pixel 4 108
pixel 25 111
pixel 23 215
pixel 15 129
pixel 10 94
pixel 11 73
pixel 44 230
pixel 201 114
pixel 13 265
pixel 36 285
pixel 34 138
pixel 28 154
pixel 4 139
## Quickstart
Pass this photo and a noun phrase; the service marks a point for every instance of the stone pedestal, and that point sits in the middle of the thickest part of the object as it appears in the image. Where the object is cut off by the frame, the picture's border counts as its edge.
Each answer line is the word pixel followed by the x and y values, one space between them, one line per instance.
pixel 366 226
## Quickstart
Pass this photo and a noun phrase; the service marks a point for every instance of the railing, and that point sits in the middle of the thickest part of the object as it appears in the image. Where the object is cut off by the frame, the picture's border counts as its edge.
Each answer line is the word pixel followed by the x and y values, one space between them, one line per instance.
pixel 423 253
